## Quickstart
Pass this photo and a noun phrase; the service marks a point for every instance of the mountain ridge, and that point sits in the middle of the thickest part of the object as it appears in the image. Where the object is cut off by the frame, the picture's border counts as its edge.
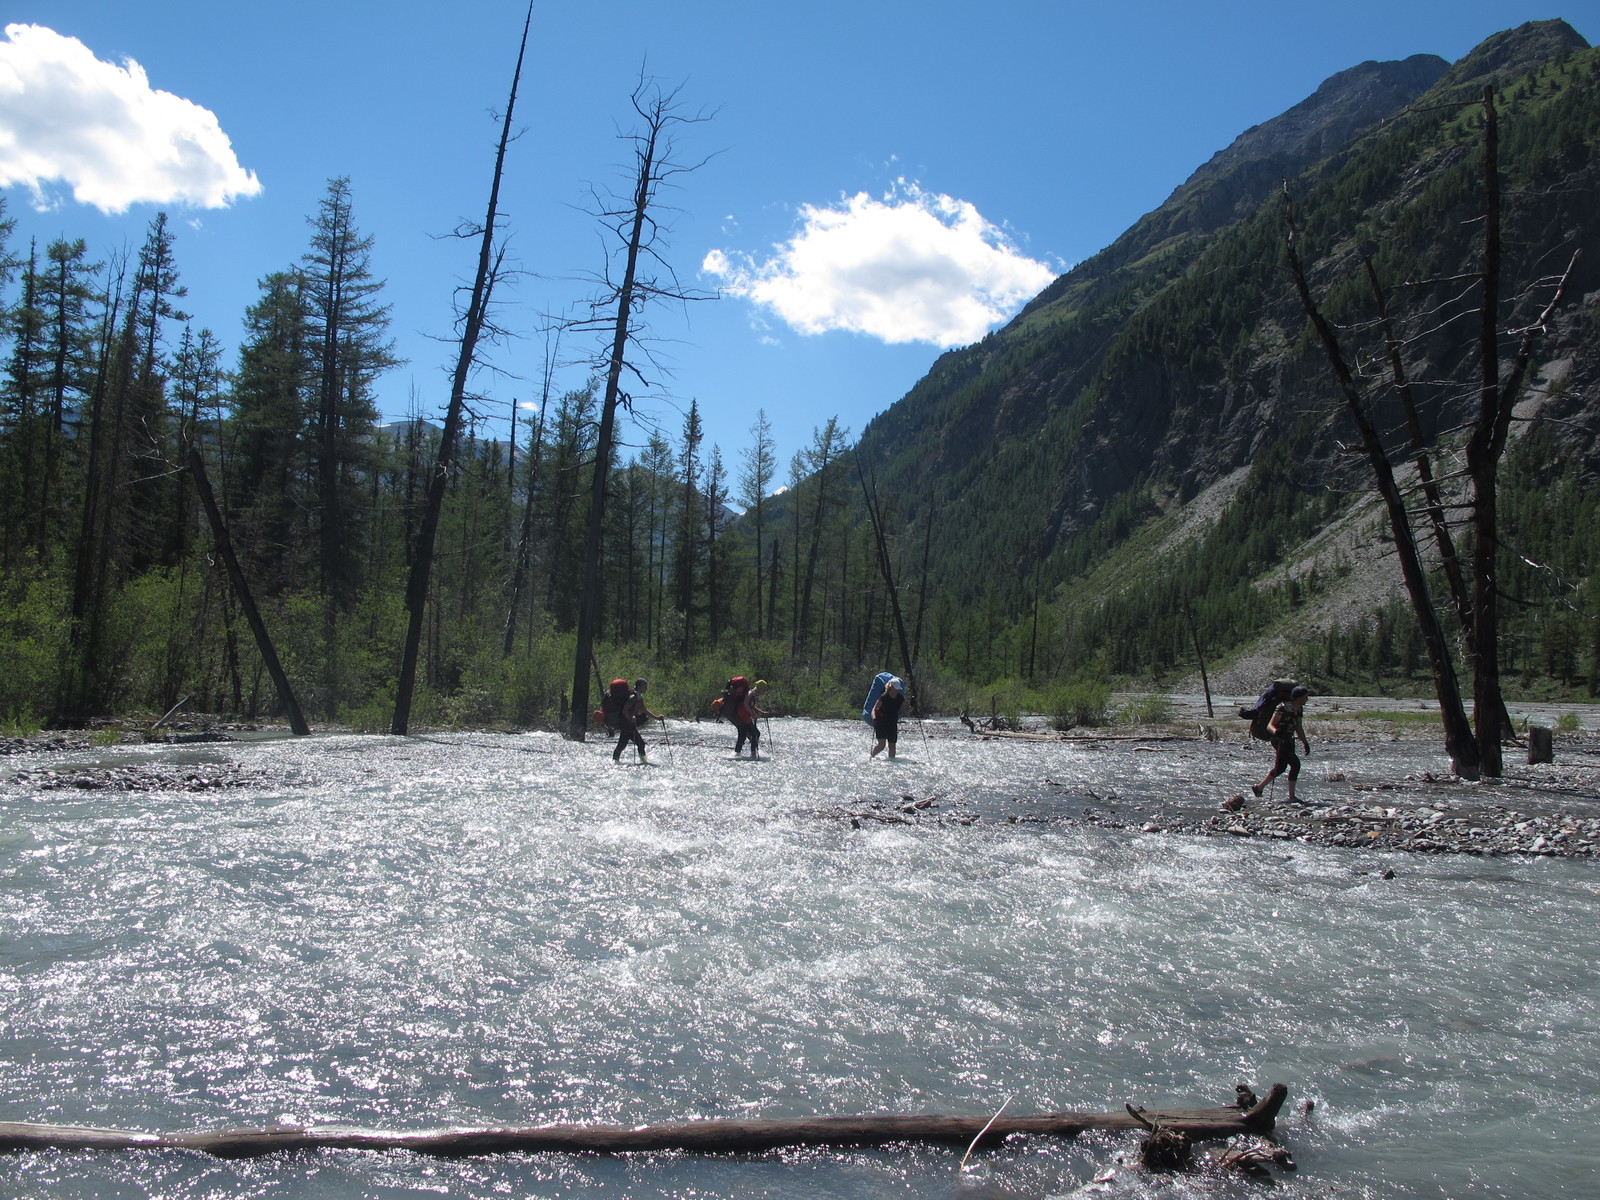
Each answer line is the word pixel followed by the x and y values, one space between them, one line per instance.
pixel 1177 355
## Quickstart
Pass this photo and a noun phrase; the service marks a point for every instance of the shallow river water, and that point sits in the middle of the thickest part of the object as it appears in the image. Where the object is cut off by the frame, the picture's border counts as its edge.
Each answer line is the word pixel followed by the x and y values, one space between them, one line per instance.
pixel 485 930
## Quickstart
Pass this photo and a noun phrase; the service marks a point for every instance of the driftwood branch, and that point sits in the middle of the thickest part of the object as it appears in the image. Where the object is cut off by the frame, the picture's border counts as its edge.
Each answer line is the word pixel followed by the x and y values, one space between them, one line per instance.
pixel 701 1137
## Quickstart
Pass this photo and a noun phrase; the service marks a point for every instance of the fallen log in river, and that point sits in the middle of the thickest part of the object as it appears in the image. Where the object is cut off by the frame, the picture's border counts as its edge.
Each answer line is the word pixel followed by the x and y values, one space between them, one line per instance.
pixel 701 1137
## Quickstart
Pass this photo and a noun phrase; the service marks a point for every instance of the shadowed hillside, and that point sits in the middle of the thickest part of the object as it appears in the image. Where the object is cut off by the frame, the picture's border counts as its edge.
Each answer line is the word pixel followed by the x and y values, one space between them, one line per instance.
pixel 1176 365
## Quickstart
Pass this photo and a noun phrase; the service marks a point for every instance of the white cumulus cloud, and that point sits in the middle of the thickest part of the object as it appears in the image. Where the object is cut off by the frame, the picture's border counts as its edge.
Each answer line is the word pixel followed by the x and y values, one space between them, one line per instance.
pixel 911 266
pixel 102 130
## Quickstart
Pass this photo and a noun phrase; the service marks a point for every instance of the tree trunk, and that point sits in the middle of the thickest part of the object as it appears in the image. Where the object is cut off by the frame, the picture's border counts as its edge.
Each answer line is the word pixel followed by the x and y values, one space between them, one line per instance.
pixel 241 590
pixel 1459 741
pixel 871 495
pixel 1483 462
pixel 472 327
pixel 696 1137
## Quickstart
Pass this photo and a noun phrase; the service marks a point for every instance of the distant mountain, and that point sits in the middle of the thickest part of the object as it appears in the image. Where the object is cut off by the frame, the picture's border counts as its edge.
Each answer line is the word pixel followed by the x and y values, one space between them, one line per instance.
pixel 1176 361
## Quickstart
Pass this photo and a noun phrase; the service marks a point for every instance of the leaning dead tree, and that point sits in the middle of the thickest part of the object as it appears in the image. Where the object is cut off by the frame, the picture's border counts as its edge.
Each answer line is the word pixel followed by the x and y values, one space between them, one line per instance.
pixel 869 493
pixel 1459 741
pixel 241 591
pixel 697 1137
pixel 473 325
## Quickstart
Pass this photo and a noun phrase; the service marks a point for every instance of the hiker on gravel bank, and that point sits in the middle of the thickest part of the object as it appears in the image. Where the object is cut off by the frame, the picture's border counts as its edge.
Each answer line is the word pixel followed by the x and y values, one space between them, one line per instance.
pixel 1288 722
pixel 634 713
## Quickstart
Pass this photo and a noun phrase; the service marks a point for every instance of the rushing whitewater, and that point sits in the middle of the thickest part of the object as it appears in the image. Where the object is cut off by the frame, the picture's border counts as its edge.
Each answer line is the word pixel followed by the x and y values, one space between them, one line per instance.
pixel 491 930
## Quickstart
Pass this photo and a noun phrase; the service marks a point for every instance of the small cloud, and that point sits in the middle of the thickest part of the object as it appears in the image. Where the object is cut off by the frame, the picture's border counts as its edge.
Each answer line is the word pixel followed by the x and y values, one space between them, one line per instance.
pixel 101 129
pixel 910 267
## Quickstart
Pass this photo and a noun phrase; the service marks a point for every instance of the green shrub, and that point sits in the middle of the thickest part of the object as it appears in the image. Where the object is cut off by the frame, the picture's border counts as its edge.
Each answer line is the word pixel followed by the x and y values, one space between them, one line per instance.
pixel 1154 709
pixel 33 630
pixel 1080 702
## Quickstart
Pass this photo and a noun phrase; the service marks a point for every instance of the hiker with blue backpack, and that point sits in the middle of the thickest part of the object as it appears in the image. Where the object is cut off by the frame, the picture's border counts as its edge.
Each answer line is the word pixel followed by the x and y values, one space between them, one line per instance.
pixel 1286 723
pixel 885 712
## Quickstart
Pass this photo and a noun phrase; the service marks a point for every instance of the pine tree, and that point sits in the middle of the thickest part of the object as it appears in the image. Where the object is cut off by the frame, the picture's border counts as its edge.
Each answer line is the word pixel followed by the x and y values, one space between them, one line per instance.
pixel 755 481
pixel 21 451
pixel 65 295
pixel 687 542
pixel 347 349
pixel 267 485
pixel 719 588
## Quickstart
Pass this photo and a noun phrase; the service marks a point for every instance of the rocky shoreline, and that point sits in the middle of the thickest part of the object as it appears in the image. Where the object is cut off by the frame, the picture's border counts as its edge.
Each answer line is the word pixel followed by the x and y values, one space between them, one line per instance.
pixel 1423 829
pixel 1419 829
pixel 1552 811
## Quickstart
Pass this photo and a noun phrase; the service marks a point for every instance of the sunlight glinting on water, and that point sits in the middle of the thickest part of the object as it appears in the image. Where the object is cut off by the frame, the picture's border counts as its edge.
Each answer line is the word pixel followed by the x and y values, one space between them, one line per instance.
pixel 487 930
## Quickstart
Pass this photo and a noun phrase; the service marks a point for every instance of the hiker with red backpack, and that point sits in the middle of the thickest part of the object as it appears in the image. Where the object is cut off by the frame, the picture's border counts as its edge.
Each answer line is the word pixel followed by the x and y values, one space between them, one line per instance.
pixel 632 714
pixel 738 704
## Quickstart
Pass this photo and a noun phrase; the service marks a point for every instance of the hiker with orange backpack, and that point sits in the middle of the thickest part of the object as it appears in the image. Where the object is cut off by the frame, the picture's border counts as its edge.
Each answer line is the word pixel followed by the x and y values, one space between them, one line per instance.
pixel 738 704
pixel 609 713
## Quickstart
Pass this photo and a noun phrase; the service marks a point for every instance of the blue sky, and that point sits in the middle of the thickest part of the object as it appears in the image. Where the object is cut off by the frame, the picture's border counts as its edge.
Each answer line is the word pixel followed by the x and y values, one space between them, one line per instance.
pixel 883 179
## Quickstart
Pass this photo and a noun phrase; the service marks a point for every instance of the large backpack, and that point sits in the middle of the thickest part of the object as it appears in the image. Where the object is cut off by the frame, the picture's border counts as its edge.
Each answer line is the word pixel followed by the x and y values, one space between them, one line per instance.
pixel 733 699
pixel 611 706
pixel 879 682
pixel 1260 713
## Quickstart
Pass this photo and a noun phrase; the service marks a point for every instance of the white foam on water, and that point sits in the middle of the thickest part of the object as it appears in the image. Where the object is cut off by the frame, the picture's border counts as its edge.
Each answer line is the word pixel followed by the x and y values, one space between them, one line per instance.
pixel 489 930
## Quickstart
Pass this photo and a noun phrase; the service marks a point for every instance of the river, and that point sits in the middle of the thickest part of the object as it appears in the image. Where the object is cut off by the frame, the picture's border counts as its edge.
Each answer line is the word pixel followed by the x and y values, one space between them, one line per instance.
pixel 489 930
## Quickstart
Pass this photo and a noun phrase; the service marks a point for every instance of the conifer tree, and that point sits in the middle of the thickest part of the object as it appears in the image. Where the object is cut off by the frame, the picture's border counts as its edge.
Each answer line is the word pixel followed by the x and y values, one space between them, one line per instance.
pixel 687 542
pixel 65 294
pixel 718 569
pixel 347 349
pixel 755 481
pixel 271 447
pixel 19 418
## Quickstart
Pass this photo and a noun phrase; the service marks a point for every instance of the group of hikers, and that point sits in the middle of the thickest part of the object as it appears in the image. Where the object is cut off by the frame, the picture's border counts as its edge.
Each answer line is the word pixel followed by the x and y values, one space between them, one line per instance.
pixel 623 710
pixel 1276 717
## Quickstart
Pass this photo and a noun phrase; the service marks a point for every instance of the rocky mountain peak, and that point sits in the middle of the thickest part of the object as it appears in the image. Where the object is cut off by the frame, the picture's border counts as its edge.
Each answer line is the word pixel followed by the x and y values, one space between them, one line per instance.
pixel 1344 106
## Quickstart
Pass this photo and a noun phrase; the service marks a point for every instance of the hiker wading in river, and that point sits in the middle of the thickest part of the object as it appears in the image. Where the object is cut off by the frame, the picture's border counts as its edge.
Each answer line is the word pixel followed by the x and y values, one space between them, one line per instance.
pixel 1287 723
pixel 744 714
pixel 633 714
pixel 886 717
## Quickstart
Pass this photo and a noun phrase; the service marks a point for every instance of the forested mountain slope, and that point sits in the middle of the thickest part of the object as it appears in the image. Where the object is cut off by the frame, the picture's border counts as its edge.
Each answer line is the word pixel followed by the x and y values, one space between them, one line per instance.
pixel 1179 356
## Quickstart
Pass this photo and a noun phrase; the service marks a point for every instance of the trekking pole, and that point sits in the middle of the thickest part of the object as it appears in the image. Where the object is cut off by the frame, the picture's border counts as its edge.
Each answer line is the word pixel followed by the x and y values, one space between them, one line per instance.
pixel 672 756
pixel 768 721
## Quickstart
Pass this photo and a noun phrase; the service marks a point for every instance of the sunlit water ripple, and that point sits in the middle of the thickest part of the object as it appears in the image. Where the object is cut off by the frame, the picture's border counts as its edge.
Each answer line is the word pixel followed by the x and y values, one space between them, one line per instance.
pixel 488 930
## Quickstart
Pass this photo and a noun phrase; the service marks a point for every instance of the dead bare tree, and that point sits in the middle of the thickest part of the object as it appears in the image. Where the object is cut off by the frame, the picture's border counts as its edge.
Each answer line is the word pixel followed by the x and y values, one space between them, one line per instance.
pixel 1498 390
pixel 525 532
pixel 869 493
pixel 1459 741
pixel 617 311
pixel 473 327
pixel 1497 396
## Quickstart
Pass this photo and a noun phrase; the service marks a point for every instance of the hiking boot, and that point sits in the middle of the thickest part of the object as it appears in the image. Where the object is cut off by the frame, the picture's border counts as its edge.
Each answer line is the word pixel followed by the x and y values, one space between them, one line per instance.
pixel 1257 789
